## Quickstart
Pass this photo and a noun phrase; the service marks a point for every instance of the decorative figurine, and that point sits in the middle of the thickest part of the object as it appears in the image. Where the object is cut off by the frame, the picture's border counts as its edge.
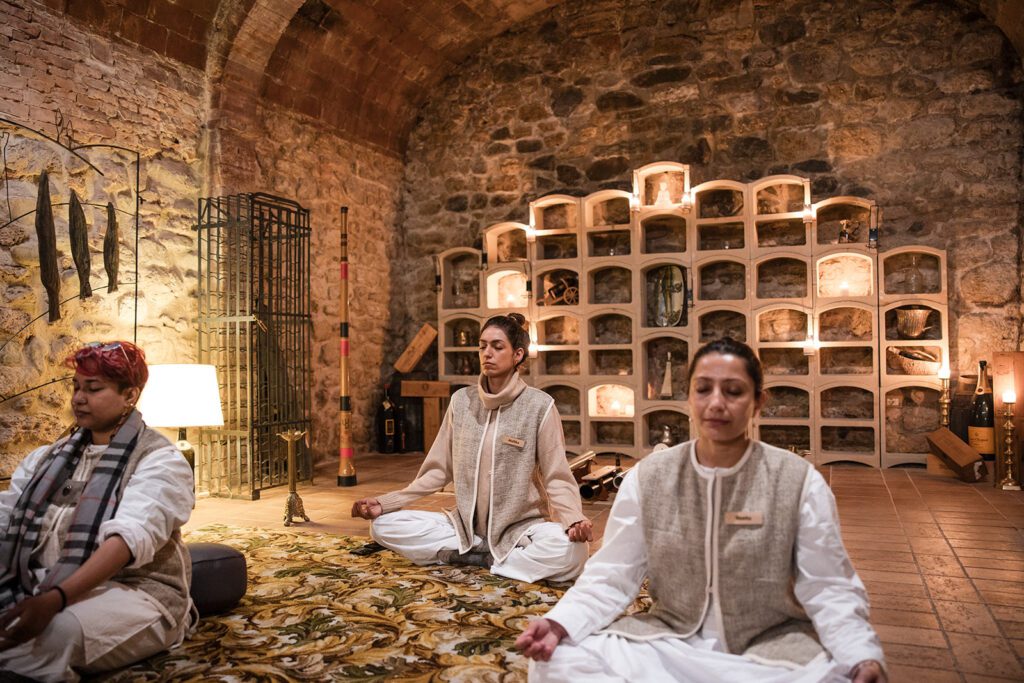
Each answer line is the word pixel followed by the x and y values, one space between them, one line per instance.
pixel 846 234
pixel 666 436
pixel 666 383
pixel 663 197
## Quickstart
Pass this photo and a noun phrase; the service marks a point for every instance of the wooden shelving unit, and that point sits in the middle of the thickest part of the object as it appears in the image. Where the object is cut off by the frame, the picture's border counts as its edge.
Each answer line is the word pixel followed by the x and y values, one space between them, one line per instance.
pixel 614 282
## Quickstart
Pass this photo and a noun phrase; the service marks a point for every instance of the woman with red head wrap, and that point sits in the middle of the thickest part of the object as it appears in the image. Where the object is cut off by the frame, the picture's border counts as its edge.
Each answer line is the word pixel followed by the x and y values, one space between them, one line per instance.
pixel 93 571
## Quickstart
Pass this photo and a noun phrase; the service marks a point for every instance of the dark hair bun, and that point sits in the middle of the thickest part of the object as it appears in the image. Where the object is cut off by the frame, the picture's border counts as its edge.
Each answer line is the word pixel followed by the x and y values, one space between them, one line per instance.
pixel 518 319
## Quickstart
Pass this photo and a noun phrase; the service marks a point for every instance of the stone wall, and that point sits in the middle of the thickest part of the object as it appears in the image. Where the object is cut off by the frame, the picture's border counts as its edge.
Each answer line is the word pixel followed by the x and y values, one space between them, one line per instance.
pixel 113 94
pixel 323 172
pixel 915 105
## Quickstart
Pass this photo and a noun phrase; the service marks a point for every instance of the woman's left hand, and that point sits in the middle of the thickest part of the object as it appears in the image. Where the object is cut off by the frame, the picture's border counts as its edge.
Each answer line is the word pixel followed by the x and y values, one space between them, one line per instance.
pixel 33 615
pixel 581 531
pixel 869 671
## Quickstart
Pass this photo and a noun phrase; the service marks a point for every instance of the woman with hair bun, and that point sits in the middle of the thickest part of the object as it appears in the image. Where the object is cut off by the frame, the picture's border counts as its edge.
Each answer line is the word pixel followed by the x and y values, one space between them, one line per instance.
pixel 94 575
pixel 517 506
pixel 740 544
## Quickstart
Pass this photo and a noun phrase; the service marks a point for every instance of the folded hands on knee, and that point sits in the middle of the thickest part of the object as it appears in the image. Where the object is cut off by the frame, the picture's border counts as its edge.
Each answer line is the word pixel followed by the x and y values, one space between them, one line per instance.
pixel 367 508
pixel 28 618
pixel 581 531
pixel 540 639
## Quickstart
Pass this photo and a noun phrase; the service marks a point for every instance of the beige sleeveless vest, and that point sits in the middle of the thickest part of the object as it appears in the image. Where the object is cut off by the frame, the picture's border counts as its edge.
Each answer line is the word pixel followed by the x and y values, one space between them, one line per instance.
pixel 747 560
pixel 516 499
pixel 168 576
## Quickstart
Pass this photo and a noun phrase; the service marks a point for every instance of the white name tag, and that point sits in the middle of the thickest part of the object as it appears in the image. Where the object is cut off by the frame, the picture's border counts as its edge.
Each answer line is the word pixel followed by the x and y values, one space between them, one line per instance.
pixel 513 441
pixel 744 518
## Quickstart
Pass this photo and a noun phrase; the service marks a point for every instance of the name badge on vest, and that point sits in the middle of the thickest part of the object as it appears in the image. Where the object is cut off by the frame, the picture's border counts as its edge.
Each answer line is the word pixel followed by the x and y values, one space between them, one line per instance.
pixel 513 441
pixel 69 493
pixel 744 518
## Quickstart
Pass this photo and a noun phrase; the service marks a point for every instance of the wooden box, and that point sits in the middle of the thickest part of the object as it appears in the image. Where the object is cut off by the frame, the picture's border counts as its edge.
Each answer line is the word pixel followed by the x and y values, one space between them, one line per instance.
pixel 963 460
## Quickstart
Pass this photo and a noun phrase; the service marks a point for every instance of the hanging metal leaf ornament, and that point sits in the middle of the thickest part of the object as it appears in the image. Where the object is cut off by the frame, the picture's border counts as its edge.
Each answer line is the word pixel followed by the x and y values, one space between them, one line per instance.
pixel 46 235
pixel 111 256
pixel 78 231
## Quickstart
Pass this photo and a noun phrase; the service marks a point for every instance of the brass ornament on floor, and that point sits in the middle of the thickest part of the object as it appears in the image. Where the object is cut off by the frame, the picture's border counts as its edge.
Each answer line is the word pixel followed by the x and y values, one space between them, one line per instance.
pixel 293 507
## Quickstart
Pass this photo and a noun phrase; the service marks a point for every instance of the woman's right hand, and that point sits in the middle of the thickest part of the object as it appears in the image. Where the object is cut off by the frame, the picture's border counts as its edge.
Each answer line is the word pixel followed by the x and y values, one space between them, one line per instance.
pixel 367 508
pixel 27 619
pixel 540 639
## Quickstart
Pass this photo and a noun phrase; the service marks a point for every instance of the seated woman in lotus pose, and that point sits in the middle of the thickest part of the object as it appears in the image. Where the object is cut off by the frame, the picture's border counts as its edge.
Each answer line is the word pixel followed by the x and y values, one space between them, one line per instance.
pixel 93 572
pixel 748 576
pixel 501 443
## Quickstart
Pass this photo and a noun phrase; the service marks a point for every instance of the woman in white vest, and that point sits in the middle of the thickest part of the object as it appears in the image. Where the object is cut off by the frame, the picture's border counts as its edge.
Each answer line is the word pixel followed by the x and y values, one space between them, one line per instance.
pixel 748 576
pixel 93 572
pixel 517 506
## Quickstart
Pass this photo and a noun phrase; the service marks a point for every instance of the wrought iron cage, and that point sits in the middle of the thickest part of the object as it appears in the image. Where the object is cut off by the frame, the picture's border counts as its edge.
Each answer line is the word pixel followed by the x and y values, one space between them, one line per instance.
pixel 255 327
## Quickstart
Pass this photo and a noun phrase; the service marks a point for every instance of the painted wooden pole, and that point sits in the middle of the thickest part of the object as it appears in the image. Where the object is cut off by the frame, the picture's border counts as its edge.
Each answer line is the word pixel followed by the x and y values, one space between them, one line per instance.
pixel 346 466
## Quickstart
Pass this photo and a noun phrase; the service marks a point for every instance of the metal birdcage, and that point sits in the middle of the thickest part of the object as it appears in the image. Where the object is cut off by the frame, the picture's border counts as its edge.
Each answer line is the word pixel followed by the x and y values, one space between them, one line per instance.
pixel 255 327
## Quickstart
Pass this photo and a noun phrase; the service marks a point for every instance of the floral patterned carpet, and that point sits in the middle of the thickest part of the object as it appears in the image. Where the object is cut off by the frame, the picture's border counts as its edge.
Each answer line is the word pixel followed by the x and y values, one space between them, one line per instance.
pixel 316 612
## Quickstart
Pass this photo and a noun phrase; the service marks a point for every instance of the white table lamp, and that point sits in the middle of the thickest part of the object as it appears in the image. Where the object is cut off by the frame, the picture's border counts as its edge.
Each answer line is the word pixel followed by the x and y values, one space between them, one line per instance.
pixel 180 396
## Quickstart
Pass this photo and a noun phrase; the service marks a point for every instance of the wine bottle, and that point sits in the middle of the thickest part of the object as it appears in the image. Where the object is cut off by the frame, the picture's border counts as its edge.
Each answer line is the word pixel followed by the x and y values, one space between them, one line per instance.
pixel 981 427
pixel 386 423
pixel 400 431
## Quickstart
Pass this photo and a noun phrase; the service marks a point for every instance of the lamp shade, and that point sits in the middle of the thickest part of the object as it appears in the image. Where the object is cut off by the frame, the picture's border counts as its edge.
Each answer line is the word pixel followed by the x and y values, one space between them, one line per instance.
pixel 181 395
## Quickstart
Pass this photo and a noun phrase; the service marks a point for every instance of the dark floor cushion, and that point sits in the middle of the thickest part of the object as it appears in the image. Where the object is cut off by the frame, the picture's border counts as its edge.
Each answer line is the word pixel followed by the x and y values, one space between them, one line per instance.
pixel 218 577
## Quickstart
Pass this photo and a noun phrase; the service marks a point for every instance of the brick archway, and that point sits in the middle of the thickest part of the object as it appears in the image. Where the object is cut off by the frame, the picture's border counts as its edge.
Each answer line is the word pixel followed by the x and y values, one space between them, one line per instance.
pixel 234 92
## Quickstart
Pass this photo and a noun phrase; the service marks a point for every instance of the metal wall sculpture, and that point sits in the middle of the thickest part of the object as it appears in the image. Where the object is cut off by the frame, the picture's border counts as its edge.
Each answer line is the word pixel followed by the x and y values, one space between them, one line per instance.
pixel 255 327
pixel 77 160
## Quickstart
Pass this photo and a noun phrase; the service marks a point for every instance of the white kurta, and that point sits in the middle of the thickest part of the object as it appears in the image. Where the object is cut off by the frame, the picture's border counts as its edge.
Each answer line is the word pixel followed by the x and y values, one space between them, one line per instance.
pixel 544 553
pixel 113 625
pixel 825 584
pixel 544 550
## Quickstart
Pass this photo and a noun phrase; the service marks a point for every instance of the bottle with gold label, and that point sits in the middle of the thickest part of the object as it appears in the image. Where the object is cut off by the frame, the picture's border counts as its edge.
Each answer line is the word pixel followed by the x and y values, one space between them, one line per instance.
pixel 981 427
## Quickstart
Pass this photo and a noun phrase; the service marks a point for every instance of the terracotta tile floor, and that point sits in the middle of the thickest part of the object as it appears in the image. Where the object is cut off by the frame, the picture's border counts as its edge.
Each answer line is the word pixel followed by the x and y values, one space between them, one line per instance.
pixel 942 560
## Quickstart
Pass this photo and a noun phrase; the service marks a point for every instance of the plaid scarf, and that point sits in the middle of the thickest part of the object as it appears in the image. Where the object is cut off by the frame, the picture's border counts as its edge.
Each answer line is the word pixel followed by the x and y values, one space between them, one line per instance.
pixel 97 504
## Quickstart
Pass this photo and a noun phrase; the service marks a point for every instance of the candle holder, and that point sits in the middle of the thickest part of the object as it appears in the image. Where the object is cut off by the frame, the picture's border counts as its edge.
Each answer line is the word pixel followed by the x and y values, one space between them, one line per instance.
pixel 1008 482
pixel 944 402
pixel 293 507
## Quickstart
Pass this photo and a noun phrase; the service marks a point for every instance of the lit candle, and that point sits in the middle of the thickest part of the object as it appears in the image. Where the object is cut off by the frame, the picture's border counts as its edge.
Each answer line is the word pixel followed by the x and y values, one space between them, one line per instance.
pixel 1009 396
pixel 944 372
pixel 510 300
pixel 845 287
pixel 616 407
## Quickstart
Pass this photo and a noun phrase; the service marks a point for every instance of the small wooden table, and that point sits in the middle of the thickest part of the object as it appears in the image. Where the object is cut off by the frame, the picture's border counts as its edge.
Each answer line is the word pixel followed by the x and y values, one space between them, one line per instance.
pixel 432 393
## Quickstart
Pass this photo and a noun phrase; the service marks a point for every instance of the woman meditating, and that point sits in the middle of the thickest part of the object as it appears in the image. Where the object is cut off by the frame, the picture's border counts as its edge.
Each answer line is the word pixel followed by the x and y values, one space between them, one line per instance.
pixel 748 576
pixel 93 572
pixel 501 443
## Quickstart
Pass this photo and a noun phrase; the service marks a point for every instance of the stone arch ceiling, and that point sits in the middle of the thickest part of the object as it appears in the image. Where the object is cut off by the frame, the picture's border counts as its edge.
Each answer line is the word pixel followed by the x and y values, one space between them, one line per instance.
pixel 366 68
pixel 363 67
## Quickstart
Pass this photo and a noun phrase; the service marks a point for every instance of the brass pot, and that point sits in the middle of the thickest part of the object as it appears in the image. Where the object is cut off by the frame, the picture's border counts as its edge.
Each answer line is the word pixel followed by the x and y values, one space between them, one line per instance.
pixel 910 322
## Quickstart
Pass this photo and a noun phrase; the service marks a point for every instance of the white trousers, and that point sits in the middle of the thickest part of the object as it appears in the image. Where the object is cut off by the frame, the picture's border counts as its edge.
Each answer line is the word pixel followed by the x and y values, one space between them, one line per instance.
pixel 113 626
pixel 418 536
pixel 607 658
